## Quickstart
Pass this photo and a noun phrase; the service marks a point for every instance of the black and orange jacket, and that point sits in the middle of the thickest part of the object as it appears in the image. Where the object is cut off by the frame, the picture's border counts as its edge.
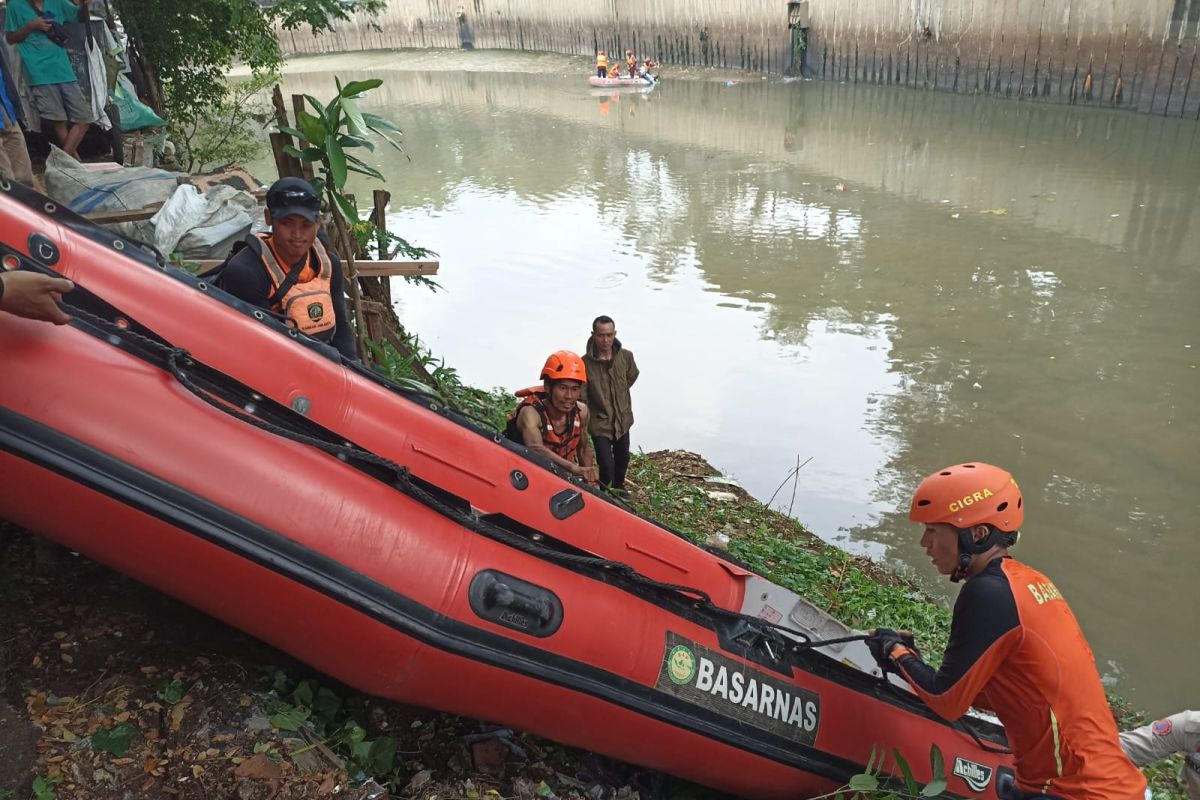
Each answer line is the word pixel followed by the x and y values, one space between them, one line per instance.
pixel 1016 649
pixel 564 445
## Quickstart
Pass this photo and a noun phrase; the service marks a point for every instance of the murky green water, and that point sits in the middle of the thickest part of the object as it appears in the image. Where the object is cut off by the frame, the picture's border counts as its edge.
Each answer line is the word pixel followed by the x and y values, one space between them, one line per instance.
pixel 882 281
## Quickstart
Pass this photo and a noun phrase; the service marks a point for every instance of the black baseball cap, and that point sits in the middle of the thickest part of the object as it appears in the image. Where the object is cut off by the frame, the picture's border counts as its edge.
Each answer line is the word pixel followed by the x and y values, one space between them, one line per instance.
pixel 293 196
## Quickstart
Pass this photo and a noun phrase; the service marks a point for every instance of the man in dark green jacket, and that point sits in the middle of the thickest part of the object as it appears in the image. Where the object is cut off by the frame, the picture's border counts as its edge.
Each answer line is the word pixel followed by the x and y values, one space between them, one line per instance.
pixel 611 371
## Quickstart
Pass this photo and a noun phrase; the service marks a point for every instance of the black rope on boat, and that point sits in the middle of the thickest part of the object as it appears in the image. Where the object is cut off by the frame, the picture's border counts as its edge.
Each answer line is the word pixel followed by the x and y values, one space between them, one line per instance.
pixel 178 361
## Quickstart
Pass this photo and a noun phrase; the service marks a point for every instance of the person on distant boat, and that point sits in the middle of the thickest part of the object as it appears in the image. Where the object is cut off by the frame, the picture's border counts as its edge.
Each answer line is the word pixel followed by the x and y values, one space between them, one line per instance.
pixel 1178 733
pixel 647 65
pixel 1015 647
pixel 551 421
pixel 34 296
pixel 290 271
pixel 631 63
pixel 601 64
pixel 612 371
pixel 614 71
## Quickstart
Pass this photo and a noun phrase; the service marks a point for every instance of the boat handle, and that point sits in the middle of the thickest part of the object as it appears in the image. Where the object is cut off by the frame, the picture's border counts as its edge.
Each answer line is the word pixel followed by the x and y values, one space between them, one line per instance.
pixel 500 594
pixel 514 603
pixel 565 503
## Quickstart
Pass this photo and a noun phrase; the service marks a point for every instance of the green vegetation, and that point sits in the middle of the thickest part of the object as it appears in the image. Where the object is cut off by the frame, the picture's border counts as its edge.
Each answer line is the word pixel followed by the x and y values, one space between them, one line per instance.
pixel 43 786
pixel 229 129
pixel 186 47
pixel 488 408
pixel 869 784
pixel 778 547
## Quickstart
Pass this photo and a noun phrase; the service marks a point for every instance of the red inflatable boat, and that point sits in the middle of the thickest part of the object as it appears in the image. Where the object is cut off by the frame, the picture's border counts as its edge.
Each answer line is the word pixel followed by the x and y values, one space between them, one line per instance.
pixel 201 447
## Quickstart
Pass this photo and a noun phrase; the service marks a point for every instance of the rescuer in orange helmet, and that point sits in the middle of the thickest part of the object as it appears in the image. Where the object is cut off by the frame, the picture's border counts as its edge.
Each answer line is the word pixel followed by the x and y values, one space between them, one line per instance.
pixel 551 421
pixel 1015 647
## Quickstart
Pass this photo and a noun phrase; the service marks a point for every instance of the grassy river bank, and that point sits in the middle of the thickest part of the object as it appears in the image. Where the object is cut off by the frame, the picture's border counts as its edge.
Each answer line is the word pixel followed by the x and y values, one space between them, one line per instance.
pixel 112 691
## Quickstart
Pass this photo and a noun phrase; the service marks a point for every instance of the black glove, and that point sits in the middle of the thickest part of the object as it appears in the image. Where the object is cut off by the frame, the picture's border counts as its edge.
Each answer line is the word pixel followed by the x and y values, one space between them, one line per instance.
pixel 881 641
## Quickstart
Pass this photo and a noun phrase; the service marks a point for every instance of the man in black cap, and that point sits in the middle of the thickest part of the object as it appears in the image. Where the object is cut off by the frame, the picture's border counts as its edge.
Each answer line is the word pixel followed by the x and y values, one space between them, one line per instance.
pixel 290 271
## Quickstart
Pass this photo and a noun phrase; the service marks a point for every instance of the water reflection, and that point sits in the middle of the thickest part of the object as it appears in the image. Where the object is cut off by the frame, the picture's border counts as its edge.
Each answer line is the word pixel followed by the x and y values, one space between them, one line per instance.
pixel 884 281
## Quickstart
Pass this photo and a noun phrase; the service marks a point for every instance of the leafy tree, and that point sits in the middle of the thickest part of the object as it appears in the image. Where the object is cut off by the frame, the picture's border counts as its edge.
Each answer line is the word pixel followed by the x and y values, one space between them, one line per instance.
pixel 229 130
pixel 186 47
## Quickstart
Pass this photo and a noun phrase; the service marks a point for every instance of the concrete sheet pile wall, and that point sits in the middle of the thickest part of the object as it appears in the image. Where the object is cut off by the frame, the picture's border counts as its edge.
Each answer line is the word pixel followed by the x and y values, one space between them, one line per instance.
pixel 1106 52
pixel 1137 54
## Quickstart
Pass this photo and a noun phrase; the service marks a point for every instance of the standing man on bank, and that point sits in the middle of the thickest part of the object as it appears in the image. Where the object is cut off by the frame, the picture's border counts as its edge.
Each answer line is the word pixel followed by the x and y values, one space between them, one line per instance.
pixel 35 27
pixel 611 371
pixel 1015 647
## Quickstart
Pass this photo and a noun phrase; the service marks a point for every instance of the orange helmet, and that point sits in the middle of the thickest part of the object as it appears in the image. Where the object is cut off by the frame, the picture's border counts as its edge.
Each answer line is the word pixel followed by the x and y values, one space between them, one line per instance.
pixel 967 495
pixel 564 366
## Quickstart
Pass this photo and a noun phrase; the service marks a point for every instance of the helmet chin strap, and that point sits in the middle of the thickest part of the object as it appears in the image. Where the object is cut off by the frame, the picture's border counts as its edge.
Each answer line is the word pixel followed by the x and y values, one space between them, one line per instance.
pixel 968 548
pixel 964 562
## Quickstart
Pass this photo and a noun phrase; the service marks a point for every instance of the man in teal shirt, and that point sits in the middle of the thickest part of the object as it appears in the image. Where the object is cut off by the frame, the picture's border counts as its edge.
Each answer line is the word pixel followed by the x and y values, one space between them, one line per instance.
pixel 35 26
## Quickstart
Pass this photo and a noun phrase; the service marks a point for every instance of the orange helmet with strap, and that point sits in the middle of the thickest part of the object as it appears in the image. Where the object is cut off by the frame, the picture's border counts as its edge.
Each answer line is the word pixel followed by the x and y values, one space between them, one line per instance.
pixel 564 365
pixel 966 495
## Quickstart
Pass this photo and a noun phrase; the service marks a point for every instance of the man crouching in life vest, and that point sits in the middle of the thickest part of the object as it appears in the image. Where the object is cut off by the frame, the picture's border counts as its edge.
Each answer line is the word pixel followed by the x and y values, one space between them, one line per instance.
pixel 1015 647
pixel 551 421
pixel 290 271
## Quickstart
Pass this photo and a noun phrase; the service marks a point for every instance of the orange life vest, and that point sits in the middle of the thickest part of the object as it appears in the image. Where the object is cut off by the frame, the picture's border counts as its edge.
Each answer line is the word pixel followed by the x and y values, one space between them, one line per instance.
pixel 308 304
pixel 565 444
pixel 602 60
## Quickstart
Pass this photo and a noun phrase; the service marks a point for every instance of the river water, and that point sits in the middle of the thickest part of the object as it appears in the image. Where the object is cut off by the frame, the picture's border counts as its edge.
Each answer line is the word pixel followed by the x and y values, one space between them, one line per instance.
pixel 875 282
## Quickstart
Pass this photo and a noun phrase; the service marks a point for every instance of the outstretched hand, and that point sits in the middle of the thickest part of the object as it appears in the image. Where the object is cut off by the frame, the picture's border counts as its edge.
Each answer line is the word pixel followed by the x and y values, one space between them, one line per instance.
pixel 34 296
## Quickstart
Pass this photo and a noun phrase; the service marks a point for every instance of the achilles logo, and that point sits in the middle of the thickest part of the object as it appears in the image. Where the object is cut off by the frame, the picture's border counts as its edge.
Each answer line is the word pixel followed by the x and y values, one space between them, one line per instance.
pixel 976 776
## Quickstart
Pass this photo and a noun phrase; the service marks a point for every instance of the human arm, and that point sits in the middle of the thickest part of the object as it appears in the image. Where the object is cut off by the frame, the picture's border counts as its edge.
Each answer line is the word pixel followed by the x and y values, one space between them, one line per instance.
pixel 633 371
pixel 587 457
pixel 1155 741
pixel 343 333
pixel 529 423
pixel 984 631
pixel 20 20
pixel 34 296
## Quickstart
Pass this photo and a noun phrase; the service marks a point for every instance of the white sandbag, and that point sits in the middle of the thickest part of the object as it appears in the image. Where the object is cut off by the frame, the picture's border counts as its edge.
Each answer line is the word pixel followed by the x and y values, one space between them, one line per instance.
pixel 183 211
pixel 203 225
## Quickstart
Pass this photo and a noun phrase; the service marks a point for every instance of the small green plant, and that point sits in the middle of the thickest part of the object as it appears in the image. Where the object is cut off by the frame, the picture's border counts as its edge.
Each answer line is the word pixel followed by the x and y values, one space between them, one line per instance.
pixel 872 782
pixel 307 704
pixel 115 740
pixel 336 128
pixel 43 786
pixel 169 692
